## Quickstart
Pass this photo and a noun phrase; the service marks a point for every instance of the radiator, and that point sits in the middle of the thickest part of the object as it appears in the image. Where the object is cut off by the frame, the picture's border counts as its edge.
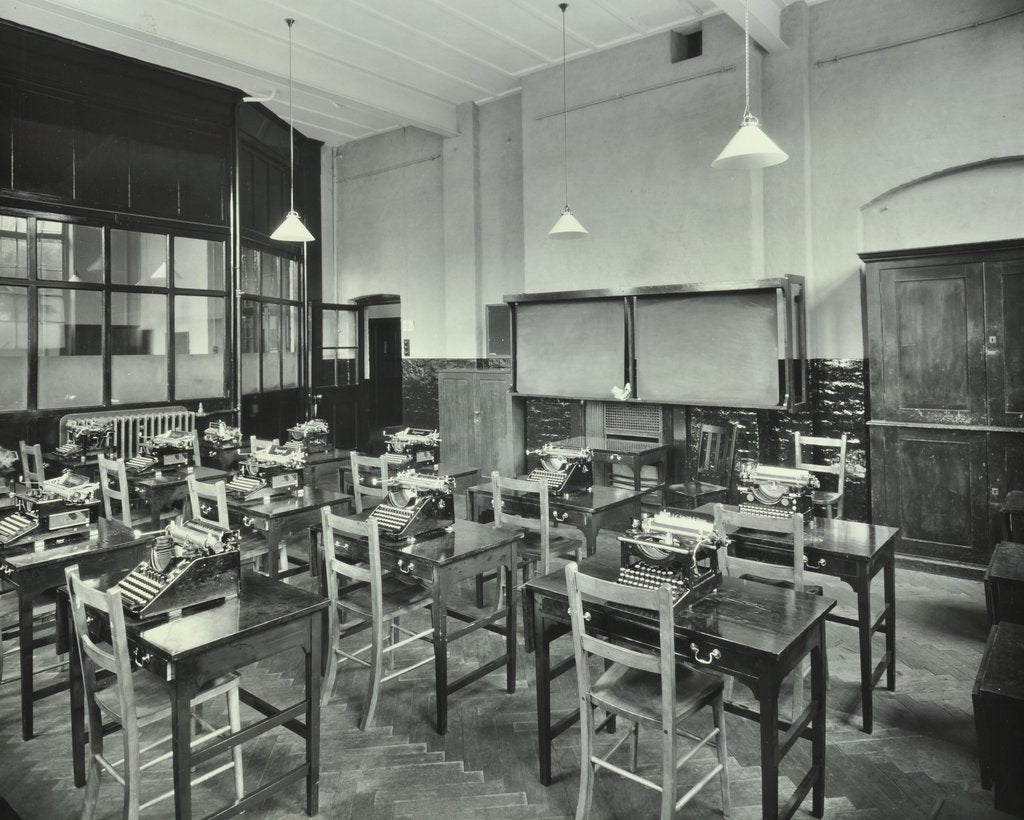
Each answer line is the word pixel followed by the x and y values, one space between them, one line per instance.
pixel 132 426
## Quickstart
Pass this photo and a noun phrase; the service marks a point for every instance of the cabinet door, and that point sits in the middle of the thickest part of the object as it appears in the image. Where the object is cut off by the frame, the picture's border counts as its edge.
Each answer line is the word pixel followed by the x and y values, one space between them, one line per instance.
pixel 492 423
pixel 456 407
pixel 1004 295
pixel 1005 474
pixel 932 329
pixel 934 486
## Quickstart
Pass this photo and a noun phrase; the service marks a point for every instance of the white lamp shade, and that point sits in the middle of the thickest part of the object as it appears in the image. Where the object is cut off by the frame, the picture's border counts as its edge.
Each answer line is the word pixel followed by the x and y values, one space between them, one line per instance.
pixel 292 230
pixel 749 148
pixel 568 227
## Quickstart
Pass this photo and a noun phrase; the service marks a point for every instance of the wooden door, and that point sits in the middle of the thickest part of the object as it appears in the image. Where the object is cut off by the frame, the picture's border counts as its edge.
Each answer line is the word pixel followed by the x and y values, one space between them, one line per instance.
pixel 457 406
pixel 1004 342
pixel 385 349
pixel 927 342
pixel 1005 474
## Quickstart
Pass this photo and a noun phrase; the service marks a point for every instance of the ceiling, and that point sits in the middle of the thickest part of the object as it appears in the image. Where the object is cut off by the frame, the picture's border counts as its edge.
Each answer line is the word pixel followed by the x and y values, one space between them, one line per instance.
pixel 362 67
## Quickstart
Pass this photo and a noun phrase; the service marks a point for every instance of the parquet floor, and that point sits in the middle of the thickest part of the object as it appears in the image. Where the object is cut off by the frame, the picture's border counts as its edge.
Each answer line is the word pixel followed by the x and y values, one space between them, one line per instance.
pixel 923 746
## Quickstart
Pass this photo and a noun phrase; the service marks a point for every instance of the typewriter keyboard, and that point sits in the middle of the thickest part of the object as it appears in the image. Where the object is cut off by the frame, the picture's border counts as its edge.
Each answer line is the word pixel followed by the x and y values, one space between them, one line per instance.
pixel 139 464
pixel 67 450
pixel 395 458
pixel 240 485
pixel 553 478
pixel 14 526
pixel 765 511
pixel 392 519
pixel 141 585
pixel 646 576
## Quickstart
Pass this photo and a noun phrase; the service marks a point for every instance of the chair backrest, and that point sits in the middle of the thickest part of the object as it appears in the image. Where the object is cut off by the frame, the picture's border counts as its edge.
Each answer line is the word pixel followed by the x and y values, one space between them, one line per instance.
pixel 836 468
pixel 369 478
pixel 794 525
pixel 533 492
pixel 111 471
pixel 32 470
pixel 716 450
pixel 336 527
pixel 197 454
pixel 204 491
pixel 658 601
pixel 262 443
pixel 95 656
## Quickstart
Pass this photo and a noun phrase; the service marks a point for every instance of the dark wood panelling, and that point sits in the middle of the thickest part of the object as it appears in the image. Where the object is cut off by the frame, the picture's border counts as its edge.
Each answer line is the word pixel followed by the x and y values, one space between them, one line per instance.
pixel 457 404
pixel 1006 474
pixel 1004 293
pixel 7 97
pixel 44 160
pixel 101 157
pixel 153 169
pixel 202 175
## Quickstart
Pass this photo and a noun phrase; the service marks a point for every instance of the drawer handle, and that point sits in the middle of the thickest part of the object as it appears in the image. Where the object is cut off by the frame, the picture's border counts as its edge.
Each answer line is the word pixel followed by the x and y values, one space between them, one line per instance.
pixel 247 521
pixel 586 615
pixel 615 457
pixel 405 566
pixel 561 518
pixel 205 509
pixel 819 564
pixel 713 655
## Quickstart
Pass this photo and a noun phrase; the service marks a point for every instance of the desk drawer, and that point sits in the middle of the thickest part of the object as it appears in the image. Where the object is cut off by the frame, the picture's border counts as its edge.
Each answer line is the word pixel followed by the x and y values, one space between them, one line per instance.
pixel 397 563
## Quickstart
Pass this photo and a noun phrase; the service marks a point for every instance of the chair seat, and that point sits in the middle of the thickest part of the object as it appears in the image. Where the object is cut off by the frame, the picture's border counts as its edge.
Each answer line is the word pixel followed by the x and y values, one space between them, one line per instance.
pixel 152 697
pixel 823 497
pixel 529 547
pixel 637 694
pixel 782 583
pixel 398 597
pixel 695 489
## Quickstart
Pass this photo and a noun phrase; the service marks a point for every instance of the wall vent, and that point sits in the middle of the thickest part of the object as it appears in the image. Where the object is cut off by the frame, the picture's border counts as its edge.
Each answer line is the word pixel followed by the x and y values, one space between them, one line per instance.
pixel 685 45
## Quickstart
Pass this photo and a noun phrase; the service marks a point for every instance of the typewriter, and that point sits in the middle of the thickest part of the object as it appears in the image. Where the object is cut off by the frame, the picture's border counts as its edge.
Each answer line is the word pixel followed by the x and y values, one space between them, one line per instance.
pixel 194 562
pixel 269 473
pixel 564 469
pixel 413 447
pixel 87 437
pixel 416 504
pixel 175 448
pixel 776 492
pixel 680 550
pixel 220 436
pixel 309 436
pixel 66 505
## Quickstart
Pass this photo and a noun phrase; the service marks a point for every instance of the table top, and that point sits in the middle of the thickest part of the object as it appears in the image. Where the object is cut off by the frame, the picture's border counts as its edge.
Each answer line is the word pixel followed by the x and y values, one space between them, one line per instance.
pixel 90 460
pixel 745 614
pixel 176 477
pixel 1002 668
pixel 597 499
pixel 262 603
pixel 312 459
pixel 848 539
pixel 286 505
pixel 447 468
pixel 466 540
pixel 110 535
pixel 1007 562
pixel 613 445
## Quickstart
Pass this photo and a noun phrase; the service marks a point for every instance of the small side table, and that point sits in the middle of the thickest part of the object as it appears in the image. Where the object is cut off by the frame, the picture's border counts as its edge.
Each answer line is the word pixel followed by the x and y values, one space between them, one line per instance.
pixel 1012 512
pixel 1004 584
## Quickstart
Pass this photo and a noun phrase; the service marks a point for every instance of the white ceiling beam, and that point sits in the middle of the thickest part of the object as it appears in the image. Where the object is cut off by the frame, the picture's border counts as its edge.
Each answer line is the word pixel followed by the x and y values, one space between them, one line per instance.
pixel 764 21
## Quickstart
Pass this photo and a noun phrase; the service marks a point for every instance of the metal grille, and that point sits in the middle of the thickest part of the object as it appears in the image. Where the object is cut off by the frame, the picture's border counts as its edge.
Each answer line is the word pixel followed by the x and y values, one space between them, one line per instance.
pixel 632 420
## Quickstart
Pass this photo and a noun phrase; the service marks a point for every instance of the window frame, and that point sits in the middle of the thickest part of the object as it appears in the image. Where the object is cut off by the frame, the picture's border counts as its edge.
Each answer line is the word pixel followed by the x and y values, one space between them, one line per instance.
pixel 317 347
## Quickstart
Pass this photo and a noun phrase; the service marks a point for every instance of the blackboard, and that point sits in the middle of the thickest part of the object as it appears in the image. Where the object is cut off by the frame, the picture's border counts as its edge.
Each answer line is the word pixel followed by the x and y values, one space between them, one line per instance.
pixel 709 348
pixel 570 349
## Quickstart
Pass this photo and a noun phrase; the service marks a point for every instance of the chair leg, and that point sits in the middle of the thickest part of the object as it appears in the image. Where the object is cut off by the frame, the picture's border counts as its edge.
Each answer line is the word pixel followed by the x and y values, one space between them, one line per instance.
pixel 635 731
pixel 331 670
pixel 394 636
pixel 235 722
pixel 92 783
pixel 376 675
pixel 527 610
pixel 480 591
pixel 718 713
pixel 132 771
pixel 668 771
pixel 798 689
pixel 587 768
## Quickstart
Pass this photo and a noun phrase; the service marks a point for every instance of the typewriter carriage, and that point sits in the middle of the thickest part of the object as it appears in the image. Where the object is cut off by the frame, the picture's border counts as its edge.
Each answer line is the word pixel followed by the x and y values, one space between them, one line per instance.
pixel 565 470
pixel 416 505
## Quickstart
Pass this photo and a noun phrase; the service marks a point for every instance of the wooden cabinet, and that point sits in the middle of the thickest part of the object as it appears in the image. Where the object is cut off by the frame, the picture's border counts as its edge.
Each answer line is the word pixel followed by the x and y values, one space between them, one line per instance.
pixel 479 423
pixel 946 380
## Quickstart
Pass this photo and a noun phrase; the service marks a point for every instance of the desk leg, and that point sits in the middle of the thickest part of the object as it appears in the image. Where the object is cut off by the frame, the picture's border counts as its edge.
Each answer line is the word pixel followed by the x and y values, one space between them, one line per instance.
pixel 439 616
pixel 26 637
pixel 864 633
pixel 590 529
pixel 510 620
pixel 155 503
pixel 768 703
pixel 313 715
pixel 274 550
pixel 181 745
pixel 542 666
pixel 818 724
pixel 889 581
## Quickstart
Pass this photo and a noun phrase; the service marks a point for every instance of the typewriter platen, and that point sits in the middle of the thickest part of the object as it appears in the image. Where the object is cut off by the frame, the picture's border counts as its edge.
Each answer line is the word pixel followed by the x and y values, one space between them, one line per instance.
pixel 415 447
pixel 680 550
pixel 777 492
pixel 87 437
pixel 60 506
pixel 309 436
pixel 269 473
pixel 175 448
pixel 417 504
pixel 194 562
pixel 564 469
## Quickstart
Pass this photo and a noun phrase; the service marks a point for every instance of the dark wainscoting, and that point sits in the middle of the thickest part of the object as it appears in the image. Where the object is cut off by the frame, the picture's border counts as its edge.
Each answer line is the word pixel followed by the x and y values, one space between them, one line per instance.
pixel 419 386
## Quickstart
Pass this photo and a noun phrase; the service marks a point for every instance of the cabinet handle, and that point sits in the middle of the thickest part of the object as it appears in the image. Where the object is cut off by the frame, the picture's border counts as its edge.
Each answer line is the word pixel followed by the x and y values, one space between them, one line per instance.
pixel 615 457
pixel 586 615
pixel 560 518
pixel 713 655
pixel 819 564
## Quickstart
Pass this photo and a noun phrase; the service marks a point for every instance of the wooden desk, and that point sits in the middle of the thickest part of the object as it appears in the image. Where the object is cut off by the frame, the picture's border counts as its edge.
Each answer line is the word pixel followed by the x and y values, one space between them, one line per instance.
pixel 38 571
pixel 762 634
pixel 440 563
pixel 273 522
pixel 221 458
pixel 159 491
pixel 855 553
pixel 1004 583
pixel 633 454
pixel 266 618
pixel 600 508
pixel 461 474
pixel 87 465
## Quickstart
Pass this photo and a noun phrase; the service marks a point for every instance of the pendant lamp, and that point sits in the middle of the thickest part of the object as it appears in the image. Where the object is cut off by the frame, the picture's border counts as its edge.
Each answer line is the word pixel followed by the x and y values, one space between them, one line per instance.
pixel 291 229
pixel 750 147
pixel 567 226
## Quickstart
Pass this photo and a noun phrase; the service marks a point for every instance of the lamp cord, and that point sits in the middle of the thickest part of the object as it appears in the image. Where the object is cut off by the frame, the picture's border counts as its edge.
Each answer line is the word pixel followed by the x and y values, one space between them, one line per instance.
pixel 291 122
pixel 746 58
pixel 565 113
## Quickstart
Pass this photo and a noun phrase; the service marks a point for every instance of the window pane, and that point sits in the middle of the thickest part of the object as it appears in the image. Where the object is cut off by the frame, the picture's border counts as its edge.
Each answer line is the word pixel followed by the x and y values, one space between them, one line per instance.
pixel 69 253
pixel 291 278
pixel 250 271
pixel 271 274
pixel 198 263
pixel 138 347
pixel 70 347
pixel 200 333
pixel 14 247
pixel 138 258
pixel 290 347
pixel 250 346
pixel 323 368
pixel 347 328
pixel 329 331
pixel 13 348
pixel 271 347
pixel 346 358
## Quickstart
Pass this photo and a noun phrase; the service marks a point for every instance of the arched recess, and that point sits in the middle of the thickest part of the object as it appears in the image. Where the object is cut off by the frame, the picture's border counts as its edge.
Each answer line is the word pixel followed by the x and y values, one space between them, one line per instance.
pixel 978 202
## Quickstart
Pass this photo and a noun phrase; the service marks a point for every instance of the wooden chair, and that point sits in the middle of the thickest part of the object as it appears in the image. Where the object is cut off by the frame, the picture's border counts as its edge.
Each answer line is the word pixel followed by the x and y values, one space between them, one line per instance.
pixel 32 465
pixel 377 600
pixel 114 487
pixel 825 499
pixel 716 451
pixel 652 689
pixel 138 698
pixel 364 480
pixel 200 492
